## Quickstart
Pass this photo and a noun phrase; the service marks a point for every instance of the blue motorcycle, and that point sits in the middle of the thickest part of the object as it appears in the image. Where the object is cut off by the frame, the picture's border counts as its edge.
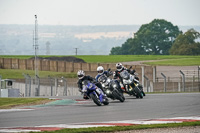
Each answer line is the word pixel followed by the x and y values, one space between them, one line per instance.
pixel 94 93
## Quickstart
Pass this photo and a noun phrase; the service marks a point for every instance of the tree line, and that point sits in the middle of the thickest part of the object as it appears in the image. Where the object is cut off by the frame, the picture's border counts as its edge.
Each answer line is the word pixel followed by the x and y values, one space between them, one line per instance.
pixel 160 37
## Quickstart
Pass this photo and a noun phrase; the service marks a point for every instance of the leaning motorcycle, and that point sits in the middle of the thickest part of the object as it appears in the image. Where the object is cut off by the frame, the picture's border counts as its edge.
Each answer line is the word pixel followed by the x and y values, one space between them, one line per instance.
pixel 111 88
pixel 131 87
pixel 137 82
pixel 136 79
pixel 94 93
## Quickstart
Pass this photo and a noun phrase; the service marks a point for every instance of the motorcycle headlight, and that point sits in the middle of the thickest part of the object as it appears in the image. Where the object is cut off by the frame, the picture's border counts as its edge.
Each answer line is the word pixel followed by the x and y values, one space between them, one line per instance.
pixel 115 86
pixel 108 80
pixel 103 85
pixel 107 91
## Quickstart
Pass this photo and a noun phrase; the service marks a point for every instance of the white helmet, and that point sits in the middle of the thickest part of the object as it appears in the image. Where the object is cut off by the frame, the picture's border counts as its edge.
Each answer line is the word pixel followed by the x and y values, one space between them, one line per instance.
pixel 100 70
pixel 119 66
pixel 80 74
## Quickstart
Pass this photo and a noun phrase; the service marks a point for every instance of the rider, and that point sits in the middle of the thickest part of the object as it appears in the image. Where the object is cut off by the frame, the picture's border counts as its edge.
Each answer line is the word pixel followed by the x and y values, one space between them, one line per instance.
pixel 82 77
pixel 121 68
pixel 101 71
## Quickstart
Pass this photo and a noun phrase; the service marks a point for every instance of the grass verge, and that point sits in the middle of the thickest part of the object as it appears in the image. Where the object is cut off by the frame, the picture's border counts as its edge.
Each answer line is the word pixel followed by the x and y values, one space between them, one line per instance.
pixel 124 128
pixel 176 62
pixel 188 60
pixel 7 103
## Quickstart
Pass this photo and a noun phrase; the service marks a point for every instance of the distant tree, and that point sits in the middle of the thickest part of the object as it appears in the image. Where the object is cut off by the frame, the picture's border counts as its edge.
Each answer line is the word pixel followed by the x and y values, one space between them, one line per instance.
pixel 115 51
pixel 125 49
pixel 185 44
pixel 156 38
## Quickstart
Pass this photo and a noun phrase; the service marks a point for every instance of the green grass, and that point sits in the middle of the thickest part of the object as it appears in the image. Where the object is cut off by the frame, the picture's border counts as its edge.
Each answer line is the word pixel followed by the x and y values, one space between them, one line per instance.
pixel 177 62
pixel 18 74
pixel 6 103
pixel 124 128
pixel 127 58
pixel 167 59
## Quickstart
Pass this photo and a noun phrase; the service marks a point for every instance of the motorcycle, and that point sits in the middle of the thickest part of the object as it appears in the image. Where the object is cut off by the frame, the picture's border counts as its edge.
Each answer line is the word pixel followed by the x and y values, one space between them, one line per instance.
pixel 94 93
pixel 131 86
pixel 111 88
pixel 136 79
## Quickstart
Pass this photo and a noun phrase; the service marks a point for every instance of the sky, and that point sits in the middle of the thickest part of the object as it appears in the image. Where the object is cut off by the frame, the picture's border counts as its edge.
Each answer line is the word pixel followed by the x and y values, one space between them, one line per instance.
pixel 99 12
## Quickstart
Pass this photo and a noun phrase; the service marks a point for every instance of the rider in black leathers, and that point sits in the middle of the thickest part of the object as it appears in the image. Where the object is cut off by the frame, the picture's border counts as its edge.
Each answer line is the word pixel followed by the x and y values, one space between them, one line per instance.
pixel 82 77
pixel 121 68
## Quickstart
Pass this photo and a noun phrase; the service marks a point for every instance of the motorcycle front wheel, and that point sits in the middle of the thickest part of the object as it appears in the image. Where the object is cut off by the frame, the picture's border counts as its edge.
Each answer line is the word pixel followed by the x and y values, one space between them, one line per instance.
pixel 106 102
pixel 139 93
pixel 95 99
pixel 119 96
pixel 141 88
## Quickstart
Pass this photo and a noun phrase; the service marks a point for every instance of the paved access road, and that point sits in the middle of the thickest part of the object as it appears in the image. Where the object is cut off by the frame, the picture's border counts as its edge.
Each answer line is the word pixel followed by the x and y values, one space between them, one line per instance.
pixel 150 107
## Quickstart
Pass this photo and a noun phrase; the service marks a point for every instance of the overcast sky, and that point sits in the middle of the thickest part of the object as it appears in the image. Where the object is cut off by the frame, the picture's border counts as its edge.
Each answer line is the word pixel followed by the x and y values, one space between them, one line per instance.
pixel 99 12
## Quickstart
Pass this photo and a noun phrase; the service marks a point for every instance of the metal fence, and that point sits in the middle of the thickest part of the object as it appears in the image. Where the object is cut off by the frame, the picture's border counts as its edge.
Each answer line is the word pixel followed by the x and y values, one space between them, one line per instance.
pixel 188 81
pixel 50 86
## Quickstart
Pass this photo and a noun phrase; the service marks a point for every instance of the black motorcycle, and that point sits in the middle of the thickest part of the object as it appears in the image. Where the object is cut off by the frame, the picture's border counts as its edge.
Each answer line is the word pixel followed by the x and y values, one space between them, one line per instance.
pixel 111 88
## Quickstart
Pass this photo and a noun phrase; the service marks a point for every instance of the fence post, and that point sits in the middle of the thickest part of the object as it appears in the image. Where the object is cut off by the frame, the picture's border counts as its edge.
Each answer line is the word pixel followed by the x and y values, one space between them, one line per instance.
pixel 199 78
pixel 143 76
pixel 29 84
pixel 51 84
pixel 164 82
pixel 56 86
pixel 37 89
pixel 154 73
pixel 183 80
pixel 26 88
pixel 65 86
pixel 147 83
pixel 0 85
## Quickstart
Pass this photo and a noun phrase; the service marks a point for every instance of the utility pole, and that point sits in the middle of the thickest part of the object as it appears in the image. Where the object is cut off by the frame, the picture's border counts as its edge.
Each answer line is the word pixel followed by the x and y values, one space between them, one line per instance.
pixel 35 45
pixel 37 82
pixel 76 50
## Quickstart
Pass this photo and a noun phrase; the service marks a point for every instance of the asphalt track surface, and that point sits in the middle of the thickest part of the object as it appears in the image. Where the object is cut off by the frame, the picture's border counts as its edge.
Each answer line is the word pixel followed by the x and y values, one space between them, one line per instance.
pixel 152 106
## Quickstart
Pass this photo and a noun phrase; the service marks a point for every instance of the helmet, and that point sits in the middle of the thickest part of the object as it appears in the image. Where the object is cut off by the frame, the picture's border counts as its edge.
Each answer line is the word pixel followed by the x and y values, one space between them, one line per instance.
pixel 80 74
pixel 100 69
pixel 119 66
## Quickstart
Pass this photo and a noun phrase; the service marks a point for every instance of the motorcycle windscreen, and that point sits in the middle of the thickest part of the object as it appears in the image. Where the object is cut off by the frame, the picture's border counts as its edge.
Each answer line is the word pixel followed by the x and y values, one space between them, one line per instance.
pixel 125 75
